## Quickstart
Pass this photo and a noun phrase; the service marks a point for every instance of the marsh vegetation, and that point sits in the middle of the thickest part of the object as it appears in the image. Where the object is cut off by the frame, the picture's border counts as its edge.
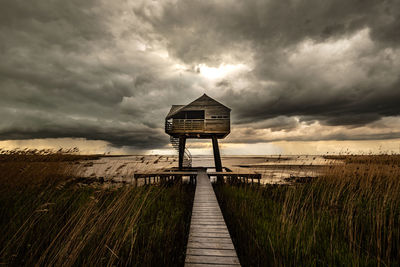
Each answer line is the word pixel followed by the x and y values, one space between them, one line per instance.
pixel 49 217
pixel 350 215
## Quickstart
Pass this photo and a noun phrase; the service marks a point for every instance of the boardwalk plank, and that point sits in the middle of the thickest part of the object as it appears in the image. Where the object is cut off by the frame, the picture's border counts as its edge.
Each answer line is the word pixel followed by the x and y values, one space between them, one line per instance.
pixel 211 259
pixel 208 221
pixel 209 241
pixel 215 235
pixel 219 240
pixel 212 245
pixel 213 265
pixel 203 226
pixel 211 252
pixel 208 230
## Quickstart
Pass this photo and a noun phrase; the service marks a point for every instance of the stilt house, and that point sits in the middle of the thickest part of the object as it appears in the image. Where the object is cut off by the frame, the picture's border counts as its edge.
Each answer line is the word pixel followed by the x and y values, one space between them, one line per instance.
pixel 203 118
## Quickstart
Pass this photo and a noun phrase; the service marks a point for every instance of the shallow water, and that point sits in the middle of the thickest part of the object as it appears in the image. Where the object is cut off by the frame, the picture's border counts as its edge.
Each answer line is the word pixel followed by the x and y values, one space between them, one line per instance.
pixel 274 169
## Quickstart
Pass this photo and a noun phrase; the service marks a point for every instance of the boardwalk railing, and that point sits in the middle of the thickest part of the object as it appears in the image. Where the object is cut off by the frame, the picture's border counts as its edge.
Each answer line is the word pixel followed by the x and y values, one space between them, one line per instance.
pixel 238 178
pixel 162 177
pixel 174 176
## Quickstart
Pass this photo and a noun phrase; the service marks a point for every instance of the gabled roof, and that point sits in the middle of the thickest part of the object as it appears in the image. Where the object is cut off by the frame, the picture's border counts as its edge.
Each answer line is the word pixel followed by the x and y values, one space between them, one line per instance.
pixel 204 100
pixel 174 109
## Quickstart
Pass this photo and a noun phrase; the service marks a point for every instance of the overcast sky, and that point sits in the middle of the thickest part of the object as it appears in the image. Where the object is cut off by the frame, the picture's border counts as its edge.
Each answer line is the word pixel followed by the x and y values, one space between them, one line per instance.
pixel 292 71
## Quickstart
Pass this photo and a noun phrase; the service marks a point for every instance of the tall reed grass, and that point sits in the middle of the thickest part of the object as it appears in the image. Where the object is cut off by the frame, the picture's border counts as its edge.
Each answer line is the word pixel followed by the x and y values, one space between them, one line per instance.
pixel 49 218
pixel 348 216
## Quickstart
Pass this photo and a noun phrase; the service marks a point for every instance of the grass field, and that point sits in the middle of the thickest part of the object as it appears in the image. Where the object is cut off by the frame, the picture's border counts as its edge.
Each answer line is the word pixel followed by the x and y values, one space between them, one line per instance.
pixel 49 217
pixel 350 216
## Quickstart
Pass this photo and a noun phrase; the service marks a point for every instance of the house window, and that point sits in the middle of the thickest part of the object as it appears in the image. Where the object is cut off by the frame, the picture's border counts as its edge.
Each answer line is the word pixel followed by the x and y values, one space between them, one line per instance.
pixel 219 117
pixel 190 114
pixel 195 114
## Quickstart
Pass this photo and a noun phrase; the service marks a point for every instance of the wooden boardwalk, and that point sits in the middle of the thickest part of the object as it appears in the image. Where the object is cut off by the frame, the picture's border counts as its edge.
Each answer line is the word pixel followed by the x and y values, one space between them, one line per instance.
pixel 209 241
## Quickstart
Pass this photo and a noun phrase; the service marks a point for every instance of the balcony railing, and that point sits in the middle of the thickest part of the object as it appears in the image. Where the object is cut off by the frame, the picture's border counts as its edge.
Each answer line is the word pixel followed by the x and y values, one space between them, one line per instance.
pixel 197 125
pixel 187 125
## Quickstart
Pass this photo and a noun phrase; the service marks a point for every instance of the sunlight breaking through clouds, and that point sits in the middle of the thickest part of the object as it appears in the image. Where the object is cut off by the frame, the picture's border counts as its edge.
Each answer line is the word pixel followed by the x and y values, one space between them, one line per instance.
pixel 110 70
pixel 221 71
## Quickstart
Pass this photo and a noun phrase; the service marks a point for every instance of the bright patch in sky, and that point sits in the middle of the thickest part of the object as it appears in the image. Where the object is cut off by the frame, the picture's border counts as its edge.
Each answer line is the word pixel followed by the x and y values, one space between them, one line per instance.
pixel 222 71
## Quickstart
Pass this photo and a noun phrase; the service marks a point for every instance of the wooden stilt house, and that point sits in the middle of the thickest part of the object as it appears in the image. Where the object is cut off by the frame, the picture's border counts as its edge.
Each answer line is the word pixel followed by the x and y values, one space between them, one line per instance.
pixel 203 118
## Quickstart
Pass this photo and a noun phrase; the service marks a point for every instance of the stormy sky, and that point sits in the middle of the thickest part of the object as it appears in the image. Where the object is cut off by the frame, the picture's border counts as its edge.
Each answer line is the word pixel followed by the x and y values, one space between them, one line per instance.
pixel 291 70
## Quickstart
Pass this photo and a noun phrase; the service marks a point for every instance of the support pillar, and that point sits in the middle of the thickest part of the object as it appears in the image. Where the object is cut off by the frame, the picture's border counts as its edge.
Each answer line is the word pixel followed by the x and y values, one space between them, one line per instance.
pixel 217 159
pixel 182 143
pixel 217 156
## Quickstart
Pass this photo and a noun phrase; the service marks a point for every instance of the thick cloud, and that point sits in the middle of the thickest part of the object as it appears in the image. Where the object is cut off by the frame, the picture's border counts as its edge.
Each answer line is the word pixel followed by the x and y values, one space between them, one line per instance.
pixel 336 61
pixel 109 70
pixel 85 69
pixel 201 30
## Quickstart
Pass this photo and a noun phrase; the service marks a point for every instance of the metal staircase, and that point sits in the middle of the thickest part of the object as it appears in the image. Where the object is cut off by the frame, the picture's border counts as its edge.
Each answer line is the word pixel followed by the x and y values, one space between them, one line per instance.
pixel 187 157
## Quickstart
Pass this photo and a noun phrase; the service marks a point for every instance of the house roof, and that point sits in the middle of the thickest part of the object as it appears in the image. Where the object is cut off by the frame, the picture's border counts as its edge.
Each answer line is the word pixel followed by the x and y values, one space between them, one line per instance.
pixel 204 100
pixel 174 109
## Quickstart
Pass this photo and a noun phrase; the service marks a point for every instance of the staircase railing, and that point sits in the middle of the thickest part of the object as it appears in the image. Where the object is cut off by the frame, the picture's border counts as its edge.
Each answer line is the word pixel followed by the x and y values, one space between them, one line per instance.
pixel 187 156
pixel 168 126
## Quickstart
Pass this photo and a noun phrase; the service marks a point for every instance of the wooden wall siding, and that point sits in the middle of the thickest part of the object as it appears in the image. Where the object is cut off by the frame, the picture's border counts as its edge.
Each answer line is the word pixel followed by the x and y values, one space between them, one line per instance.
pixel 216 111
pixel 217 125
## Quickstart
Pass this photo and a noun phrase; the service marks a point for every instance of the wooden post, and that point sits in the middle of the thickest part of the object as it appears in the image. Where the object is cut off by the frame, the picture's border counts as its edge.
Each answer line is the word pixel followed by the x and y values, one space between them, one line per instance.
pixel 217 159
pixel 217 156
pixel 182 143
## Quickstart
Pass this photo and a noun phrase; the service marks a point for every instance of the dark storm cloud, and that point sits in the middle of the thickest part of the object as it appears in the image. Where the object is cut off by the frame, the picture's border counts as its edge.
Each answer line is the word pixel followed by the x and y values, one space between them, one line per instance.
pixel 211 31
pixel 74 69
pixel 201 30
pixel 26 124
pixel 343 108
pixel 99 70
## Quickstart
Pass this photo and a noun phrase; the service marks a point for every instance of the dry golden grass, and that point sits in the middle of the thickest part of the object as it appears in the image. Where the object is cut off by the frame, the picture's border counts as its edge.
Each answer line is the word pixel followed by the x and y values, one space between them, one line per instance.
pixel 348 216
pixel 47 217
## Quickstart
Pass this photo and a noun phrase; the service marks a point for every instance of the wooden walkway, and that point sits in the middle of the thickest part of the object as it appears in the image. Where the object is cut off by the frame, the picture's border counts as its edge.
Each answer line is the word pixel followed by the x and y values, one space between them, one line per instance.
pixel 209 241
